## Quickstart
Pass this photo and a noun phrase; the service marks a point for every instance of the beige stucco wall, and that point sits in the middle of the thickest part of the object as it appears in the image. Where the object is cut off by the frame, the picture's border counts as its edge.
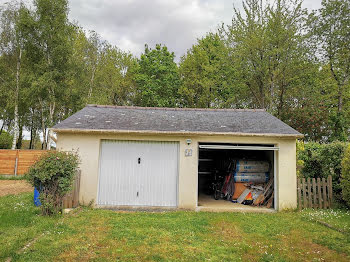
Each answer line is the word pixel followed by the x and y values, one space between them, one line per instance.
pixel 88 147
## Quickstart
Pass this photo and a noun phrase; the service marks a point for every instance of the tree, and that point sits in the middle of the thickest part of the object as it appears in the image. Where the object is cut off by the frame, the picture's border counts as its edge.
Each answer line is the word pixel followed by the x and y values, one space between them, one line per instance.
pixel 268 50
pixel 157 78
pixel 208 77
pixel 114 77
pixel 331 27
pixel 48 46
pixel 11 47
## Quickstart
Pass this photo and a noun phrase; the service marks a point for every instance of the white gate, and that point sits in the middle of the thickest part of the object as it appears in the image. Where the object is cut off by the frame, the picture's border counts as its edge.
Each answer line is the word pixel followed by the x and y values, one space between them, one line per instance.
pixel 138 173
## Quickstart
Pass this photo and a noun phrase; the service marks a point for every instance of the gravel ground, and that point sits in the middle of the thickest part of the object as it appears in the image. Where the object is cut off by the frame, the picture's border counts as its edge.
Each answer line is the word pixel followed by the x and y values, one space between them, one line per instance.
pixel 11 187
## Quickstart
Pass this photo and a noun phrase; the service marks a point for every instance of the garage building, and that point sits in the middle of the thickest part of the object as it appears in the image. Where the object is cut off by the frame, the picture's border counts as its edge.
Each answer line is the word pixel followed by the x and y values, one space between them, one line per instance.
pixel 166 157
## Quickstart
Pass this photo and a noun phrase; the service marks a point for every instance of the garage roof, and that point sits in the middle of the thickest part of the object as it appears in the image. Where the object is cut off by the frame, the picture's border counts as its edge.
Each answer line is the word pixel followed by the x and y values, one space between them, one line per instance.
pixel 98 118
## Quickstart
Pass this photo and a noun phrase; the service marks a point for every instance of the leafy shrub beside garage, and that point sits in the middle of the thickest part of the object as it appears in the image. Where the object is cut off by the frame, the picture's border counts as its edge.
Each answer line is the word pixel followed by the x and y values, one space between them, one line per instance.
pixel 53 176
pixel 345 178
pixel 322 160
pixel 5 140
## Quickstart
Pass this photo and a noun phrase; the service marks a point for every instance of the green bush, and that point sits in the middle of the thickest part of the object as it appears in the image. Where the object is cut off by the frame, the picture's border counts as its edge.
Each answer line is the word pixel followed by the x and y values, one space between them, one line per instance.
pixel 322 160
pixel 53 176
pixel 5 140
pixel 345 177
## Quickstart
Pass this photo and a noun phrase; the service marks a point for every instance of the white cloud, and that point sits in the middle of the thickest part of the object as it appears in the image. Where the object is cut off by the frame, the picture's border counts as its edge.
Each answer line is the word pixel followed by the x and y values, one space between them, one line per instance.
pixel 130 24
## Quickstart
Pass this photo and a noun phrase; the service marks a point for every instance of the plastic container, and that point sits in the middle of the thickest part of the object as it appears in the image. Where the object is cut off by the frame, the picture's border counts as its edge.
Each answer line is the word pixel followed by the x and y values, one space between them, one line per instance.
pixel 36 197
pixel 251 177
pixel 252 166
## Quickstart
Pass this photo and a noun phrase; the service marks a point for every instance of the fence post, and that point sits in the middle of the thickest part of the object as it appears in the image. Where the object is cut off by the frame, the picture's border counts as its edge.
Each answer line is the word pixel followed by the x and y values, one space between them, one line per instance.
pixel 319 192
pixel 330 191
pixel 299 193
pixel 16 162
pixel 324 188
pixel 314 192
pixel 309 192
pixel 304 193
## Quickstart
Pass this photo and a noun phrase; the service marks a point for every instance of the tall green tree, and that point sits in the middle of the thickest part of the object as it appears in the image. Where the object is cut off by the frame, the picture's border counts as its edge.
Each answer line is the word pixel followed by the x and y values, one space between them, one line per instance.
pixel 331 27
pixel 208 76
pixel 157 78
pixel 11 49
pixel 48 45
pixel 267 42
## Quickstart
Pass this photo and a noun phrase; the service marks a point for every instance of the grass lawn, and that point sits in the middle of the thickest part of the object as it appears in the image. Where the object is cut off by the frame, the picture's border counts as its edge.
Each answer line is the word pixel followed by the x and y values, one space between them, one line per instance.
pixel 100 235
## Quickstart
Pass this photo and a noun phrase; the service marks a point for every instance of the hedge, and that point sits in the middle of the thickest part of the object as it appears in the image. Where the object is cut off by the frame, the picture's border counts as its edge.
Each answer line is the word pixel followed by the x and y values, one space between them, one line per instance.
pixel 322 160
pixel 5 140
pixel 345 177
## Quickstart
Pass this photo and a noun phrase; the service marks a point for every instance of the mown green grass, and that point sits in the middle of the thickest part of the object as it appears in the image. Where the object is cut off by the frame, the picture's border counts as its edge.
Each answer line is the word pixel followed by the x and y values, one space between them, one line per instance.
pixel 104 235
pixel 7 177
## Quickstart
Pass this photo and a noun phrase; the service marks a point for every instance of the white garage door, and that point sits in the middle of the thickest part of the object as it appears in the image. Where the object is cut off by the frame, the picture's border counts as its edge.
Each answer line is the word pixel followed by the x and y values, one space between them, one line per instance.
pixel 138 173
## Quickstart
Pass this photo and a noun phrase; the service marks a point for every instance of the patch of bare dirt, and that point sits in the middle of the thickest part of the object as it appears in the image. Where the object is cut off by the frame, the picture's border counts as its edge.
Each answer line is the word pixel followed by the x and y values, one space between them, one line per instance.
pixel 12 187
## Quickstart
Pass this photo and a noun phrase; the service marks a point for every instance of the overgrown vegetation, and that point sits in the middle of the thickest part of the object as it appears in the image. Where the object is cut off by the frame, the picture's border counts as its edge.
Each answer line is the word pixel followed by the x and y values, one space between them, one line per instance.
pixel 274 55
pixel 5 140
pixel 345 177
pixel 322 160
pixel 53 176
pixel 104 235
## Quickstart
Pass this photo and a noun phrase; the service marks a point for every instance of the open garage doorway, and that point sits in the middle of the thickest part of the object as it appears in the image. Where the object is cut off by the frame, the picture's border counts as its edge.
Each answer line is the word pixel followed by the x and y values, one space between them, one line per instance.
pixel 237 176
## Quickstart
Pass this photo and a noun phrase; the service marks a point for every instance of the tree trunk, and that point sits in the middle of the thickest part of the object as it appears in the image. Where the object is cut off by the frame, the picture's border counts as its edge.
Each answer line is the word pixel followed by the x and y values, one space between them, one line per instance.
pixel 20 136
pixel 15 134
pixel 92 81
pixel 52 112
pixel 43 127
pixel 32 133
pixel 340 98
pixel 31 138
pixel 2 127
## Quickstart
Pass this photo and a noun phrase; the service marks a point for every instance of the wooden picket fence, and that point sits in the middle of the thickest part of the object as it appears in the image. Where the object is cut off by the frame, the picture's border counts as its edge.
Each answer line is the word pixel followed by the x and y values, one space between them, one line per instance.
pixel 315 193
pixel 17 162
pixel 72 198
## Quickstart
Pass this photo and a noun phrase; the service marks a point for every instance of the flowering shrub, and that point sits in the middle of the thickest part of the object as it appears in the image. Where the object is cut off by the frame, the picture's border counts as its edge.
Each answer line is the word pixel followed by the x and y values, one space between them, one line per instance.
pixel 53 176
pixel 345 178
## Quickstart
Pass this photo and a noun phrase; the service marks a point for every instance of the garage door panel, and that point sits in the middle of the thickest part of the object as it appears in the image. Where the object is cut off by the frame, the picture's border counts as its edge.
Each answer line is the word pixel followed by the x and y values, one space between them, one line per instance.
pixel 160 164
pixel 123 180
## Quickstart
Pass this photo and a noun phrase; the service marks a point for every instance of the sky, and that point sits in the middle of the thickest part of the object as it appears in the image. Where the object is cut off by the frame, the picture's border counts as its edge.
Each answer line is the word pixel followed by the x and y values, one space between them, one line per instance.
pixel 130 24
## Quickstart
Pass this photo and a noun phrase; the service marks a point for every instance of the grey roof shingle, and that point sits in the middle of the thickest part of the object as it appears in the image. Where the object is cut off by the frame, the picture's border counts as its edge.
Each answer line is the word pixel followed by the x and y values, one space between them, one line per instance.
pixel 175 120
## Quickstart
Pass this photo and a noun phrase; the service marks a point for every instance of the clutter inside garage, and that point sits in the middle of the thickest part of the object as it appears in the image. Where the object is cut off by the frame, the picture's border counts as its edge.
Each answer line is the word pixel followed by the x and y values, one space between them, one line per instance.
pixel 244 177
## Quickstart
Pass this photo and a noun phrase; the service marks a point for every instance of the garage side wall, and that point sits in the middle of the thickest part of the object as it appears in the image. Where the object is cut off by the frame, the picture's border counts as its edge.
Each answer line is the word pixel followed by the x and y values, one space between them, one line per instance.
pixel 88 146
pixel 287 178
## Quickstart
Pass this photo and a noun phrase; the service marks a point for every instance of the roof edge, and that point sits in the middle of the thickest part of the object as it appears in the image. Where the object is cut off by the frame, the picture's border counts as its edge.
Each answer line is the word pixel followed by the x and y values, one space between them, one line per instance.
pixel 184 133
pixel 176 108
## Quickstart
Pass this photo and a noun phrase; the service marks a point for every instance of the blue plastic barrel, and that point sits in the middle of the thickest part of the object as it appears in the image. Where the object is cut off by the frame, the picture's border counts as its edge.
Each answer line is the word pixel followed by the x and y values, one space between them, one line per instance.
pixel 36 197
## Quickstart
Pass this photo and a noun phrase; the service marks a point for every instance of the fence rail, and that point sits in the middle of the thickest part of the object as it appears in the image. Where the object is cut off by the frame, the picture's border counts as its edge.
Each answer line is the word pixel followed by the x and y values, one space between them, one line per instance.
pixel 72 198
pixel 315 193
pixel 17 162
